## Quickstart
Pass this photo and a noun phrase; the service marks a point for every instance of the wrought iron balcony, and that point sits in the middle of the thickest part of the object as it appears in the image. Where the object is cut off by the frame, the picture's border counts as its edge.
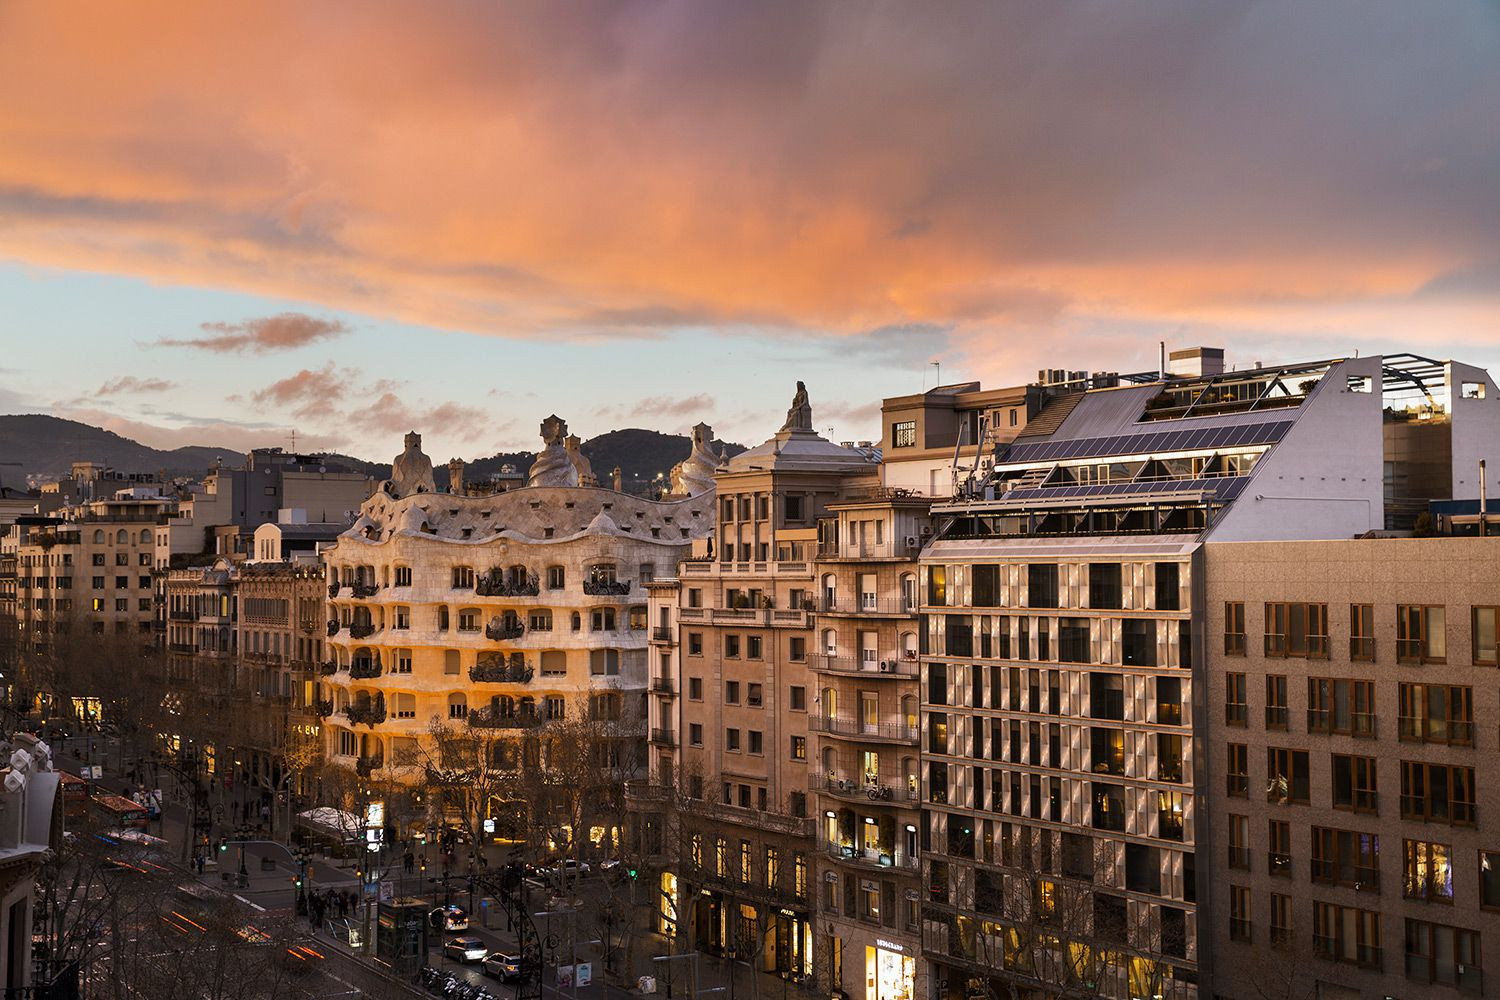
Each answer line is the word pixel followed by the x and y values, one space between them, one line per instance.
pixel 606 588
pixel 334 588
pixel 365 765
pixel 361 630
pixel 328 667
pixel 370 713
pixel 365 590
pixel 857 729
pixel 494 584
pixel 333 626
pixel 501 673
pixel 663 685
pixel 489 717
pixel 664 737
pixel 500 629
pixel 321 708
pixel 363 670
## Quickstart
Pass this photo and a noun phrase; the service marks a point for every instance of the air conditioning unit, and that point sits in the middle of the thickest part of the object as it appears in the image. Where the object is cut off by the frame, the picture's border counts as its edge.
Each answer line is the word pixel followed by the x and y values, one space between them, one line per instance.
pixel 912 542
pixel 885 666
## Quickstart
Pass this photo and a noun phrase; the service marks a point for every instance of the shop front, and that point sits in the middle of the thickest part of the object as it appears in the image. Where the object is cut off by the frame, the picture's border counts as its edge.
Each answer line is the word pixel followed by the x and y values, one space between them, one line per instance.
pixel 890 971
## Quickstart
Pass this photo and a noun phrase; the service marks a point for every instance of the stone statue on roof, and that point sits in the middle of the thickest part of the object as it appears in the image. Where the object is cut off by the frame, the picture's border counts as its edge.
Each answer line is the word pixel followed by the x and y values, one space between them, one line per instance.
pixel 411 472
pixel 553 466
pixel 799 417
pixel 695 474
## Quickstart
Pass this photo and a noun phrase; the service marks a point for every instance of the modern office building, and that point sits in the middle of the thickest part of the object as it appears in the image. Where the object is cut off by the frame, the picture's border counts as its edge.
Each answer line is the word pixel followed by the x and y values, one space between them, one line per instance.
pixel 1354 789
pixel 1073 837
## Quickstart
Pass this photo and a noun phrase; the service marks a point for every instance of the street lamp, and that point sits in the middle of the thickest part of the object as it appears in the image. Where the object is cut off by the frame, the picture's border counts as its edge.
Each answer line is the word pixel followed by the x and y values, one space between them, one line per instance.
pixel 242 833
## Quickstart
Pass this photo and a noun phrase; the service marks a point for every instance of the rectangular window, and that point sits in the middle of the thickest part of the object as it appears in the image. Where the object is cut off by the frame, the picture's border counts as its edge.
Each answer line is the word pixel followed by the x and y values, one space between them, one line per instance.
pixel 604 662
pixel 799 748
pixel 1286 772
pixel 1347 934
pixel 1239 842
pixel 731 645
pixel 1168 586
pixel 797 698
pixel 1346 857
pixel 752 647
pixel 1354 783
pixel 1482 621
pixel 1239 913
pixel 1297 629
pixel 1362 632
pixel 1340 706
pixel 1237 769
pixel 695 643
pixel 1489 879
pixel 695 688
pixel 1281 918
pixel 1235 709
pixel 904 434
pixel 1438 793
pixel 1436 713
pixel 1105 589
pixel 695 734
pixel 1421 633
pixel 731 692
pixel 757 741
pixel 1427 871
pixel 1276 711
pixel 732 740
pixel 1041 585
pixel 1279 847
pixel 1436 953
pixel 463 578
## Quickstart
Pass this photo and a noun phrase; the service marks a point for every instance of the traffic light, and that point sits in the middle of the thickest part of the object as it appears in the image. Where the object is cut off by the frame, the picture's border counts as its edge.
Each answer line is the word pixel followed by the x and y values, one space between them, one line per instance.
pixel 632 871
pixel 222 845
pixel 297 881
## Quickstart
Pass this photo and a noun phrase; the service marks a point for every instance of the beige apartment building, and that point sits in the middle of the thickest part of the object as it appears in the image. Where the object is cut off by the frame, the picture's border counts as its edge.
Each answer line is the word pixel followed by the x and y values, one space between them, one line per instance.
pixel 863 742
pixel 503 611
pixel 1351 763
pixel 742 712
pixel 931 440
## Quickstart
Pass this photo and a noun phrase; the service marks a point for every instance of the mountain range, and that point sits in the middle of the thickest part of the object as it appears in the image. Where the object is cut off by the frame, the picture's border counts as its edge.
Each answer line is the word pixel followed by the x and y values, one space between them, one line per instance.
pixel 44 446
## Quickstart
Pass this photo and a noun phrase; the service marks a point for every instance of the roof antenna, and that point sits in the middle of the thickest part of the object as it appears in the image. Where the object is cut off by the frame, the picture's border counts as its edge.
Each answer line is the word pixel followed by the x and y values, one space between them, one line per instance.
pixel 1161 372
pixel 939 376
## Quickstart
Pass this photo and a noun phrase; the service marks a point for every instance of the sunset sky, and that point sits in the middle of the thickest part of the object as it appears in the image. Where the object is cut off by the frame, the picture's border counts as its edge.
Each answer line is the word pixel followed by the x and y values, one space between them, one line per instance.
pixel 219 222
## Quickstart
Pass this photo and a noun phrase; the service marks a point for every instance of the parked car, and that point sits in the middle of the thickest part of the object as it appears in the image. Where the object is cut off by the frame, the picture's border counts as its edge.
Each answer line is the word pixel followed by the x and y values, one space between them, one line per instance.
pixel 465 948
pixel 568 869
pixel 502 966
pixel 449 918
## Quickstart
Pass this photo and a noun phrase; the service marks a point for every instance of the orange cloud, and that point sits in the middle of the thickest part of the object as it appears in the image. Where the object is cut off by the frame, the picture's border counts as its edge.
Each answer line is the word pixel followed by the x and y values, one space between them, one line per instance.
pixel 532 169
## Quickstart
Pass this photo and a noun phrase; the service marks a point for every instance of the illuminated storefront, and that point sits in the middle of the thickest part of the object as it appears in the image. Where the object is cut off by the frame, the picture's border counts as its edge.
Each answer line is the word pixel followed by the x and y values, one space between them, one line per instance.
pixel 890 973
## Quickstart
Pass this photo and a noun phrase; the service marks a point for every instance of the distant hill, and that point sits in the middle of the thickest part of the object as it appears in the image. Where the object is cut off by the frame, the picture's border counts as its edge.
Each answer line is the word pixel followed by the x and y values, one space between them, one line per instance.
pixel 45 445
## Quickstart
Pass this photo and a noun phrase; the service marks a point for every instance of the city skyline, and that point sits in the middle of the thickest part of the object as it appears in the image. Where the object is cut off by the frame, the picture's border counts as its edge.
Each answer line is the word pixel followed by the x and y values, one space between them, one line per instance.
pixel 353 233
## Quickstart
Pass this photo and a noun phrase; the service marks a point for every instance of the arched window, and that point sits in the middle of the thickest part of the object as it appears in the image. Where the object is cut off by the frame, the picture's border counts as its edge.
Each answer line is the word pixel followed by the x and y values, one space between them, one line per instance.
pixel 98 536
pixel 830 591
pixel 577 621
pixel 830 642
pixel 458 705
pixel 404 706
pixel 909 592
pixel 830 704
pixel 909 711
pixel 557 578
pixel 909 645
pixel 145 536
pixel 122 537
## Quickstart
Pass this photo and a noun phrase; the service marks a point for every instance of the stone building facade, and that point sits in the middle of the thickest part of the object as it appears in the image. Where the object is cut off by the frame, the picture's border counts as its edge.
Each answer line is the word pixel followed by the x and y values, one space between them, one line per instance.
pixel 501 611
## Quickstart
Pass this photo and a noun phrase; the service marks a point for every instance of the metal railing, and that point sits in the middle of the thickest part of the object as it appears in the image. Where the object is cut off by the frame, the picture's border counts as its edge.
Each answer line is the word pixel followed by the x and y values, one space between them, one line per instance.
pixel 501 629
pixel 874 857
pixel 858 729
pixel 361 630
pixel 606 588
pixel 363 670
pixel 867 604
pixel 889 665
pixel 501 673
pixel 664 737
pixel 371 714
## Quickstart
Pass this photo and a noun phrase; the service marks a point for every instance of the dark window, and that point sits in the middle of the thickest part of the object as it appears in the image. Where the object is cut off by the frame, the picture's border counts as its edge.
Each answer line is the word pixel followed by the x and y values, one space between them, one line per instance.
pixel 1041 585
pixel 1106 696
pixel 1168 586
pixel 1138 642
pixel 1105 591
pixel 985 586
pixel 1073 640
pixel 960 635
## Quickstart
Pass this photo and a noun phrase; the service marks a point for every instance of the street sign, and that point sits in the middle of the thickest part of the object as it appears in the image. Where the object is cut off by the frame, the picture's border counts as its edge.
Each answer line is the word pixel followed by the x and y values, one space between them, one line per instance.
pixel 584 973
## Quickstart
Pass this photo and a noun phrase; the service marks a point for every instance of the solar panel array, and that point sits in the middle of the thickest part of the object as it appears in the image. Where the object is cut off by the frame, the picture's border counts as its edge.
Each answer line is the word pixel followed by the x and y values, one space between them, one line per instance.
pixel 1224 487
pixel 1154 442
